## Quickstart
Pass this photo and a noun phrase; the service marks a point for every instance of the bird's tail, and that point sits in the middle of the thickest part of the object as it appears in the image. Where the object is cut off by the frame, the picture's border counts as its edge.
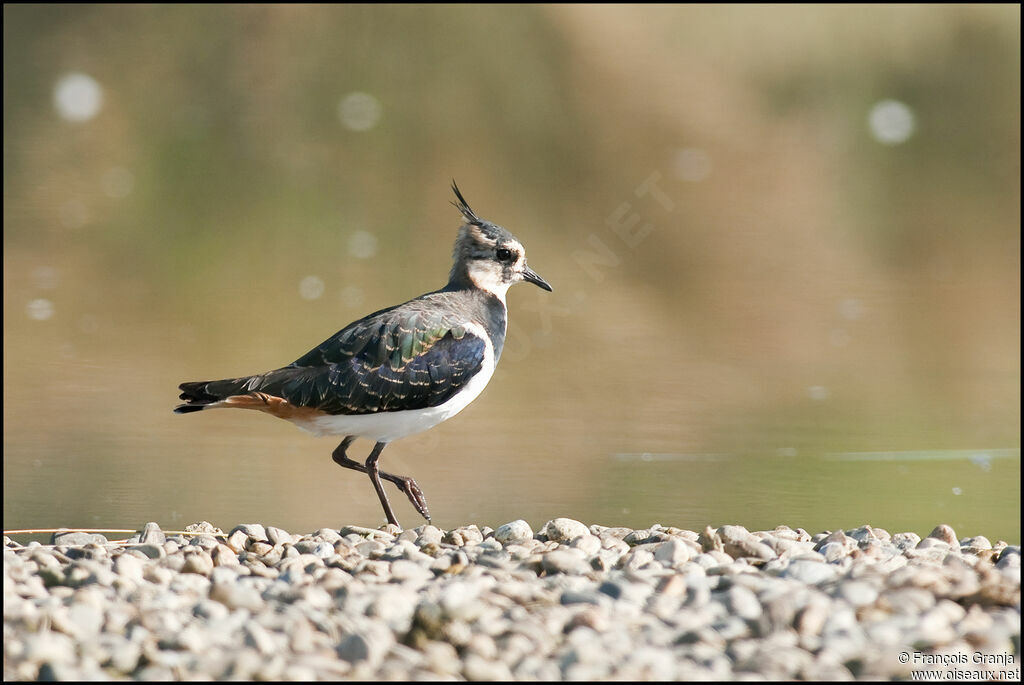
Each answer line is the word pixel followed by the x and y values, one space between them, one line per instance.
pixel 200 395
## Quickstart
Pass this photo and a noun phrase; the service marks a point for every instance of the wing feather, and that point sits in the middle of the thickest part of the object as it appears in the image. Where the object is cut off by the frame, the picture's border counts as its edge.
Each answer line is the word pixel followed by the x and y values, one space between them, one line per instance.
pixel 407 357
pixel 413 356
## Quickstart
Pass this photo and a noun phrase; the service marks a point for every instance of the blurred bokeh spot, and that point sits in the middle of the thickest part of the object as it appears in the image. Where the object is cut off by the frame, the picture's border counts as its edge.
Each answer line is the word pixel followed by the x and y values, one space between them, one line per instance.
pixel 891 122
pixel 77 97
pixel 359 111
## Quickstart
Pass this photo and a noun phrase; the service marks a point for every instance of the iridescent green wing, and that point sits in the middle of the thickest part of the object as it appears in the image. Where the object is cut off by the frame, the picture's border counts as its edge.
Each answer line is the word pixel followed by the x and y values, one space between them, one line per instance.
pixel 406 357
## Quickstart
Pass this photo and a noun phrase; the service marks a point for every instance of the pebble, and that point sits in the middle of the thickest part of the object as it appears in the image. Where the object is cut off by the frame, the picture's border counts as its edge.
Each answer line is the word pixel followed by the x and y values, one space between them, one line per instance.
pixel 514 532
pixel 675 553
pixel 278 537
pixel 738 543
pixel 255 531
pixel 466 535
pixel 904 541
pixel 858 593
pixel 569 561
pixel 564 530
pixel 976 543
pixel 810 572
pixel 744 603
pixel 945 534
pixel 151 534
pixel 570 602
pixel 235 596
pixel 80 539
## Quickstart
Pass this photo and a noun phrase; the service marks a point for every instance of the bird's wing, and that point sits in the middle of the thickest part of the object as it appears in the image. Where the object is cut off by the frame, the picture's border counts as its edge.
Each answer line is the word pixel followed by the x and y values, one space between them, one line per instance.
pixel 407 357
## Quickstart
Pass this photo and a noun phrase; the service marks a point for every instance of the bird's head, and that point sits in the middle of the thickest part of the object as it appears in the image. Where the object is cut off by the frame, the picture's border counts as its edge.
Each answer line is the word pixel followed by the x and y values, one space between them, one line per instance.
pixel 487 256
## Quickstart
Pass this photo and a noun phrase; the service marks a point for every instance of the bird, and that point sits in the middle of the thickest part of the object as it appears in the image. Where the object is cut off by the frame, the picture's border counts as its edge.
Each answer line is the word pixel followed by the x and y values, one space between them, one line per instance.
pixel 398 371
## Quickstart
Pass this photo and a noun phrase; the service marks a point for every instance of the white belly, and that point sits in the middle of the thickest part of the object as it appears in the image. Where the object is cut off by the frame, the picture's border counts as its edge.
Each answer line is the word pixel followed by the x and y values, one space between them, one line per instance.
pixel 392 425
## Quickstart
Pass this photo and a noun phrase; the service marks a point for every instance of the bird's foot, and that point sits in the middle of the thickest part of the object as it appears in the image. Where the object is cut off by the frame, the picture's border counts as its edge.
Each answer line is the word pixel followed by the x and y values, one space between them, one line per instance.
pixel 416 496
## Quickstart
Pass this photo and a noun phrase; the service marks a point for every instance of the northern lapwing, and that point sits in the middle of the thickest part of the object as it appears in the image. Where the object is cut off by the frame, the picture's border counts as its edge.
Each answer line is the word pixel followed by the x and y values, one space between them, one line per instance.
pixel 400 370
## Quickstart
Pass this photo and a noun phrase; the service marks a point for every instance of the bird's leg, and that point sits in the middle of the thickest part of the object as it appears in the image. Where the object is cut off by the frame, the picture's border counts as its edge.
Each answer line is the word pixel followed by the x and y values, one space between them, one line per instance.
pixel 405 484
pixel 374 473
pixel 342 460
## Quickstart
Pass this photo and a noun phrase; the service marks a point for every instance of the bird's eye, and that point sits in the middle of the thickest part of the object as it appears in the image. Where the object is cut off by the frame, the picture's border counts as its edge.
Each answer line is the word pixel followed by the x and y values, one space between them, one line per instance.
pixel 504 255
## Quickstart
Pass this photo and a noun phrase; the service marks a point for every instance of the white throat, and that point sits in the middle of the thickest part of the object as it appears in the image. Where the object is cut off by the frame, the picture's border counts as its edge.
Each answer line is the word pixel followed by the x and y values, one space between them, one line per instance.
pixel 488 277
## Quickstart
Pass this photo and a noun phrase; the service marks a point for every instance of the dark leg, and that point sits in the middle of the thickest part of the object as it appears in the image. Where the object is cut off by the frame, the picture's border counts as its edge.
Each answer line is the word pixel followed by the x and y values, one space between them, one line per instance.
pixel 371 468
pixel 405 484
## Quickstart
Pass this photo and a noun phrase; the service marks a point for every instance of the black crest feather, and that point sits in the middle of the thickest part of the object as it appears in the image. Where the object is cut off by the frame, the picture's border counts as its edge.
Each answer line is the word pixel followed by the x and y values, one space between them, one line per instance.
pixel 463 207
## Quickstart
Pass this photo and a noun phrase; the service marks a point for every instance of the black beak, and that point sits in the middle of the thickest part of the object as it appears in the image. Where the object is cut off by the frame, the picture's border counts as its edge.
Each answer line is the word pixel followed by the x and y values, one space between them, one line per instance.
pixel 533 277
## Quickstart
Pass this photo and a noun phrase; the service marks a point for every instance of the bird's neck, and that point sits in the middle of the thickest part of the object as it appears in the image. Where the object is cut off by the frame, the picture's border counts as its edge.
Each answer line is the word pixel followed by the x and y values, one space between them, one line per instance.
pixel 483 280
pixel 485 307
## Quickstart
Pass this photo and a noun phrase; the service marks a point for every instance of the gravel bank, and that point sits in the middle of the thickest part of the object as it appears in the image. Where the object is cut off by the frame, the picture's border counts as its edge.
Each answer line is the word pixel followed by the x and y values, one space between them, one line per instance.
pixel 569 601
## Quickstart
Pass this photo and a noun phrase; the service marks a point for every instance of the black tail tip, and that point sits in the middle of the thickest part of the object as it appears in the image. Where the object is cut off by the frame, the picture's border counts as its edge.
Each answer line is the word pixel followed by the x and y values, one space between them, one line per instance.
pixel 189 408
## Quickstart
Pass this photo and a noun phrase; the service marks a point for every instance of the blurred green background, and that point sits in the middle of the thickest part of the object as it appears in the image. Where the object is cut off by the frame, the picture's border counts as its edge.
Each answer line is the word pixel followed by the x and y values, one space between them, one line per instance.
pixel 784 242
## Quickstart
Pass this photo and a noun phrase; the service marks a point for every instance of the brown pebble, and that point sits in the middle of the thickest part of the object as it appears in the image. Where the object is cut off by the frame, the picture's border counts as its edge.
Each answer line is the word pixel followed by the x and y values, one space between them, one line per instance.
pixel 946 534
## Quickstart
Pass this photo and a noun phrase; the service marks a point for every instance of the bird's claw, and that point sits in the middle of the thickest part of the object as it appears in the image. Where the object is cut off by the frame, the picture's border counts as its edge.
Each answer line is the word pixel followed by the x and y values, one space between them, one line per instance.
pixel 416 496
